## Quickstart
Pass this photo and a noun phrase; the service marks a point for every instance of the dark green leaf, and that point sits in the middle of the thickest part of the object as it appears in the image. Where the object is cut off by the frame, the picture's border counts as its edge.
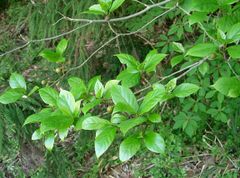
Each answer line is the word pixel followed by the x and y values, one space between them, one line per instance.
pixel 234 51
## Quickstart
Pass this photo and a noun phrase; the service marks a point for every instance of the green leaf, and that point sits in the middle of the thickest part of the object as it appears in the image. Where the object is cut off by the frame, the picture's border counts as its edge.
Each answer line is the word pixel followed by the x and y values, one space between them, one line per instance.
pixel 202 50
pixel 234 51
pixel 203 68
pixel 96 9
pixel 125 98
pixel 94 123
pixel 92 82
pixel 176 60
pixel 78 125
pixel 17 81
pixel 77 87
pixel 36 135
pixel 228 86
pixel 185 89
pixel 51 56
pixel 66 102
pixel 151 100
pixel 108 87
pixel 197 17
pixel 62 46
pixel 234 32
pixel 129 147
pixel 105 4
pixel 171 85
pixel 90 105
pixel 155 118
pixel 129 60
pixel 116 4
pixel 178 47
pixel 98 89
pixel 49 95
pixel 104 140
pixel 117 118
pixel 11 95
pixel 44 113
pixel 152 60
pixel 49 141
pixel 63 133
pixel 125 126
pixel 129 77
pixel 154 142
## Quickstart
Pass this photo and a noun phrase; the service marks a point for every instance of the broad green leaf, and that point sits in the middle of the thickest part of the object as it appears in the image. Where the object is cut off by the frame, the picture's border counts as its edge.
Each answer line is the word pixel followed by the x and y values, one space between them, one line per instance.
pixel 92 82
pixel 90 105
pixel 36 135
pixel 66 102
pixel 229 86
pixel 171 85
pixel 17 81
pixel 49 141
pixel 151 100
pixel 104 140
pixel 125 126
pixel 185 89
pixel 203 68
pixel 62 46
pixel 234 32
pixel 63 133
pixel 94 123
pixel 129 77
pixel 51 56
pixel 234 51
pixel 117 118
pixel 98 89
pixel 124 97
pixel 116 4
pixel 11 95
pixel 178 47
pixel 155 118
pixel 129 147
pixel 152 60
pixel 45 113
pixel 227 2
pixel 80 120
pixel 176 60
pixel 77 87
pixel 129 60
pixel 154 142
pixel 196 17
pixel 49 95
pixel 105 4
pixel 96 9
pixel 202 50
pixel 108 87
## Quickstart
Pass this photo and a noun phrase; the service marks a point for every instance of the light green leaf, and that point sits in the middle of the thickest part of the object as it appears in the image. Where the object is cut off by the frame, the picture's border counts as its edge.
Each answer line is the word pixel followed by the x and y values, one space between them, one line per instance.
pixel 77 87
pixel 116 4
pixel 154 142
pixel 117 118
pixel 96 9
pixel 234 51
pixel 152 60
pixel 155 118
pixel 196 17
pixel 108 87
pixel 11 95
pixel 98 89
pixel 62 46
pixel 234 32
pixel 78 125
pixel 51 56
pixel 66 102
pixel 36 135
pixel 17 81
pixel 129 60
pixel 171 85
pixel 49 95
pixel 49 141
pixel 185 89
pixel 124 97
pixel 176 60
pixel 63 133
pixel 92 82
pixel 94 123
pixel 229 86
pixel 203 68
pixel 202 50
pixel 104 140
pixel 178 47
pixel 129 77
pixel 105 4
pixel 45 113
pixel 129 147
pixel 125 126
pixel 90 105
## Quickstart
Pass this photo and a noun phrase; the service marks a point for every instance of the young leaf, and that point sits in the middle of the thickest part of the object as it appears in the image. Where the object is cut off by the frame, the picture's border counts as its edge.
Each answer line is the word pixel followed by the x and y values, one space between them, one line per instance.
pixel 202 50
pixel 36 135
pixel 94 123
pixel 63 133
pixel 51 56
pixel 129 77
pixel 78 125
pixel 178 47
pixel 125 126
pixel 176 60
pixel 203 68
pixel 108 87
pixel 12 95
pixel 154 142
pixel 66 102
pixel 38 116
pixel 155 118
pixel 129 147
pixel 234 51
pixel 92 82
pixel 49 141
pixel 125 98
pixel 90 105
pixel 105 4
pixel 62 46
pixel 17 81
pixel 185 89
pixel 96 9
pixel 116 4
pixel 171 85
pixel 229 86
pixel 98 89
pixel 117 118
pixel 234 32
pixel 77 87
pixel 152 60
pixel 49 96
pixel 104 140
pixel 129 60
